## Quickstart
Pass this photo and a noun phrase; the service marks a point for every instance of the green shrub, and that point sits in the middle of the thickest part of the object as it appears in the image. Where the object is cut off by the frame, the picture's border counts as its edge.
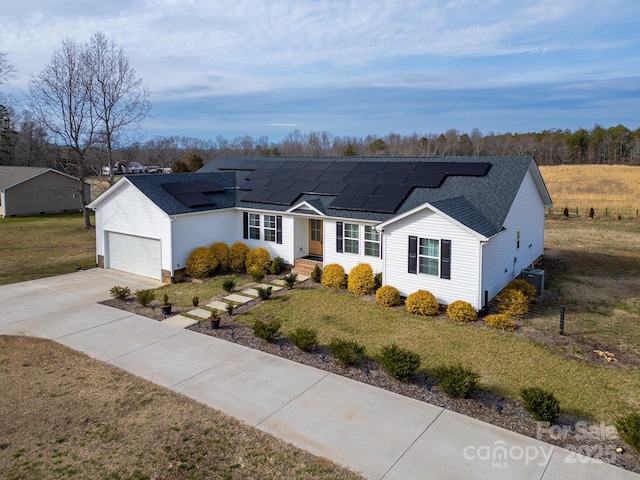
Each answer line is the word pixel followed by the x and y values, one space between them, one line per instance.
pixel 348 352
pixel 238 257
pixel 528 290
pixel 422 302
pixel 304 338
pixel 264 292
pixel 500 321
pixel 230 308
pixel 120 292
pixel 195 300
pixel 512 303
pixel 145 297
pixel 276 266
pixel 334 277
pixel 258 258
pixel 628 427
pixel 377 281
pixel 229 284
pixel 540 403
pixel 165 299
pixel 361 280
pixel 256 273
pixel 220 251
pixel 316 274
pixel 388 296
pixel 398 362
pixel 290 280
pixel 457 381
pixel 266 330
pixel 461 311
pixel 201 263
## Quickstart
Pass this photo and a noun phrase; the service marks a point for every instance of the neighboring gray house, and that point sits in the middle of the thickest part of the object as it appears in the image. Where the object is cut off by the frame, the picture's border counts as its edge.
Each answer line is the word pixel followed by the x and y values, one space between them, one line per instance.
pixel 456 226
pixel 37 190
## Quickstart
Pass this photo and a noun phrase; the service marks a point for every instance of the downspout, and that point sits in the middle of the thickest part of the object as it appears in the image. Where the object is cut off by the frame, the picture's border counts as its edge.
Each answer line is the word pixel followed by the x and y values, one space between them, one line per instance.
pixel 173 280
pixel 384 256
pixel 481 276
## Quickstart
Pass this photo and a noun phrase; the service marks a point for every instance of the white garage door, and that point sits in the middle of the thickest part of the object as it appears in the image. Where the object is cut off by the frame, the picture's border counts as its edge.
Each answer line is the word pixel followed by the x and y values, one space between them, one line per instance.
pixel 132 254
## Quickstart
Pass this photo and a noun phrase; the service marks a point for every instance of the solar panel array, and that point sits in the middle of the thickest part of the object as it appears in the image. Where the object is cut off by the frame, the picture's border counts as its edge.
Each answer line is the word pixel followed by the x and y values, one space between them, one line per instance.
pixel 366 186
pixel 192 193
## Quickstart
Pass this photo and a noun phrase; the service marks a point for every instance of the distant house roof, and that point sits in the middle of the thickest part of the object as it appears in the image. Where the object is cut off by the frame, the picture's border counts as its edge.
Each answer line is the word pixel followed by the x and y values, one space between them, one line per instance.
pixel 11 176
pixel 476 191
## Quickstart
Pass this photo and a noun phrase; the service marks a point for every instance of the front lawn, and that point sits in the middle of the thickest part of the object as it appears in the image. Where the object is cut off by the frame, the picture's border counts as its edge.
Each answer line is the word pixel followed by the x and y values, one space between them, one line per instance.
pixel 506 361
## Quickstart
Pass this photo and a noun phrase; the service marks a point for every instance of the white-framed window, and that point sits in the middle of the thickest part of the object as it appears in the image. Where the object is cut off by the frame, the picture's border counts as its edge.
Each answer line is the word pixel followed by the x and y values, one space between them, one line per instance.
pixel 269 228
pixel 254 226
pixel 371 242
pixel 429 256
pixel 351 238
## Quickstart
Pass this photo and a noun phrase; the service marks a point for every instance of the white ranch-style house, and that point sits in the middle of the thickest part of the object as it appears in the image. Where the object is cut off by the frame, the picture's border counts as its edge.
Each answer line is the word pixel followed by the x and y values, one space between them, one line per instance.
pixel 460 227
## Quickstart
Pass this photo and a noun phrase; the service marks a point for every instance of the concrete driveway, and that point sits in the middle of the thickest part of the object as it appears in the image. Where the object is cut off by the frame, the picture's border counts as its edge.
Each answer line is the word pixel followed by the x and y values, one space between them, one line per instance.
pixel 380 434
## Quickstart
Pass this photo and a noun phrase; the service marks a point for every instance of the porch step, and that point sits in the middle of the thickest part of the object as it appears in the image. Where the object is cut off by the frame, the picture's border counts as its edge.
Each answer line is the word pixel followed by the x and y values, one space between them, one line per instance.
pixel 304 266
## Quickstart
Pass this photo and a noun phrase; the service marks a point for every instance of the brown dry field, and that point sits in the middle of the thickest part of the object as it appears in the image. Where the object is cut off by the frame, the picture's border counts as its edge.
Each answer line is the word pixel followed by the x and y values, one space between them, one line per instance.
pixel 65 415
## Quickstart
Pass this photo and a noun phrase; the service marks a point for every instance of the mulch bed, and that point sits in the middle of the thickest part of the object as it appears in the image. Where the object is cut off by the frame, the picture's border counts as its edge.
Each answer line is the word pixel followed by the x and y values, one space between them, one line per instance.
pixel 482 405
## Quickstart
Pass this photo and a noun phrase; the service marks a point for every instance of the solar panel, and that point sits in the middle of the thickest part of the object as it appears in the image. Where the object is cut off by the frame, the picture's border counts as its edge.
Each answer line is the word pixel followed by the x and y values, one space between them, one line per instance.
pixel 304 186
pixel 398 167
pixel 318 165
pixel 257 196
pixel 307 175
pixel 260 173
pixel 348 202
pixel 388 177
pixel 195 186
pixel 293 165
pixel 282 174
pixel 283 198
pixel 432 167
pixel 255 184
pixel 329 188
pixel 194 199
pixel 360 177
pixel 432 180
pixel 368 167
pixel 249 165
pixel 474 169
pixel 391 190
pixel 277 185
pixel 332 176
pixel 381 204
pixel 364 189
pixel 342 166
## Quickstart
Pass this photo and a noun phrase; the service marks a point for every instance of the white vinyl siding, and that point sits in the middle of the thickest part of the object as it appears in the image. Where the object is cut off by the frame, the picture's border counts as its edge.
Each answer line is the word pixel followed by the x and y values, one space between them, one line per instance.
pixel 464 259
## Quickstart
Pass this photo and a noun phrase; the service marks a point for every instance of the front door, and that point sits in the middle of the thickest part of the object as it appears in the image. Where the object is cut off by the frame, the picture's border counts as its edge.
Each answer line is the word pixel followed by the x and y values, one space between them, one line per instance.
pixel 315 237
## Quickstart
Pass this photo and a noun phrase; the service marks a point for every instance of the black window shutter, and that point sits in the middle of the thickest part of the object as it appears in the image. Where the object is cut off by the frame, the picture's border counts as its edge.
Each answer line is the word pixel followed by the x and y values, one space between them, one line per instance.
pixel 445 259
pixel 339 238
pixel 245 225
pixel 413 254
pixel 279 229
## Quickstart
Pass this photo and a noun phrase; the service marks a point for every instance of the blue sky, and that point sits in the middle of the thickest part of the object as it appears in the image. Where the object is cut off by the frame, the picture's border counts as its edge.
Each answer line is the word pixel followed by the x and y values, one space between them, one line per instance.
pixel 354 67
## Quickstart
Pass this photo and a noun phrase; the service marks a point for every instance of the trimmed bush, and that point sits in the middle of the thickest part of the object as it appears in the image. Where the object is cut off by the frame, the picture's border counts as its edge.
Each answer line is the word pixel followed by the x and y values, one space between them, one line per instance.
pixel 512 303
pixel 316 274
pixel 195 300
pixel 500 321
pixel 628 427
pixel 361 280
pixel 540 403
pixel 457 381
pixel 304 338
pixel 290 280
pixel 528 290
pixel 120 292
pixel 422 302
pixel 334 277
pixel 229 308
pixel 220 251
pixel 461 311
pixel 145 297
pixel 258 258
pixel 238 257
pixel 399 362
pixel 256 273
pixel 266 330
pixel 388 296
pixel 264 292
pixel 276 266
pixel 201 263
pixel 229 284
pixel 348 352
pixel 377 281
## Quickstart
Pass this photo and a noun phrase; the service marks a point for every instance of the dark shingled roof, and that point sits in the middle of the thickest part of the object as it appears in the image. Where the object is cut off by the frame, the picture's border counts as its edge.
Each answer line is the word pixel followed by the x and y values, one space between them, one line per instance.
pixel 481 202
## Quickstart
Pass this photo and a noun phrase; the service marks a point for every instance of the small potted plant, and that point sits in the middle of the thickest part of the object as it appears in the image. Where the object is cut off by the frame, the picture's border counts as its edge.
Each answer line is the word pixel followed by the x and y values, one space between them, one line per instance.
pixel 195 300
pixel 214 320
pixel 166 306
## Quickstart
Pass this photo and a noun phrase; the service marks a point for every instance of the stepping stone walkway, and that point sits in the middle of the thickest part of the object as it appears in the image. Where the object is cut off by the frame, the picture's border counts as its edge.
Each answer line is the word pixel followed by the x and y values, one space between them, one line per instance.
pixel 180 321
pixel 273 287
pixel 250 291
pixel 234 297
pixel 200 313
pixel 279 281
pixel 218 305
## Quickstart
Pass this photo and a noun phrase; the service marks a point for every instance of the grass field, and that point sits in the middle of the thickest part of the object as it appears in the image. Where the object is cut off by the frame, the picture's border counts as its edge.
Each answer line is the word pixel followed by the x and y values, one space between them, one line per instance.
pixel 612 188
pixel 44 246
